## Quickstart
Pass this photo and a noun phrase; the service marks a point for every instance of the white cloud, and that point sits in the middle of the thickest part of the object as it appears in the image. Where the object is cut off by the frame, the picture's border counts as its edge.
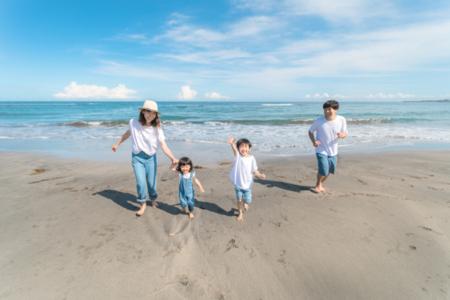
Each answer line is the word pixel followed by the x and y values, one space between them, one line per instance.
pixel 215 96
pixel 307 96
pixel 206 57
pixel 249 27
pixel 324 95
pixel 186 93
pixel 353 10
pixel 74 91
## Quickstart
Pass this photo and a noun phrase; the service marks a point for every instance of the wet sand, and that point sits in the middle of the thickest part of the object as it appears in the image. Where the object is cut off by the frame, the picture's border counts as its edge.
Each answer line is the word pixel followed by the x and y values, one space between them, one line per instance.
pixel 381 231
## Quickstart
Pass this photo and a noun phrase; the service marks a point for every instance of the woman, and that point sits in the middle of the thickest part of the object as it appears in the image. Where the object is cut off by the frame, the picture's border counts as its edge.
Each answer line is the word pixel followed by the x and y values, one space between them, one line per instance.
pixel 146 135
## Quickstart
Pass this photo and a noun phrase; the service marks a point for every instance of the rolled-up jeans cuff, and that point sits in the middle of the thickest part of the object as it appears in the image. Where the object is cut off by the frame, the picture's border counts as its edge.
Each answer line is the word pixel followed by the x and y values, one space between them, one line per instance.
pixel 141 200
pixel 154 198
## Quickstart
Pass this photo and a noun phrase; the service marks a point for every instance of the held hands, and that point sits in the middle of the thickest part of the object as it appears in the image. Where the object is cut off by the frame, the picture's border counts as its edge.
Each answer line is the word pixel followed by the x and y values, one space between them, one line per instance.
pixel 174 161
pixel 231 140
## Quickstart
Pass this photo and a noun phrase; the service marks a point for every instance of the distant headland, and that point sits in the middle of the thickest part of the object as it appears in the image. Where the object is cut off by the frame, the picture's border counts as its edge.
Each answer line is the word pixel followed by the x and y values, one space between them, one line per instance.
pixel 446 100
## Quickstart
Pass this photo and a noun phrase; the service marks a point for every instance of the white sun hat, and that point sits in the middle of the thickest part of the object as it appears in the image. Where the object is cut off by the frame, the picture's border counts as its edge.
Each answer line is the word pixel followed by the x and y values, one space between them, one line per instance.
pixel 150 105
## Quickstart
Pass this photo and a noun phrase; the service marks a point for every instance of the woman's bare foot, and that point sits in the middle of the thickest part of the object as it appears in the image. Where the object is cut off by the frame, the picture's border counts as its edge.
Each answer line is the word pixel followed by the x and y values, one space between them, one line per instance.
pixel 154 204
pixel 245 206
pixel 318 189
pixel 239 218
pixel 183 209
pixel 191 215
pixel 141 211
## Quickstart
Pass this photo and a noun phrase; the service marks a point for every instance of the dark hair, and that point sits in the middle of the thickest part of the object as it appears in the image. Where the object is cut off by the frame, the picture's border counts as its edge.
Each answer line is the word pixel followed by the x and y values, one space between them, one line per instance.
pixel 155 123
pixel 243 141
pixel 331 103
pixel 184 161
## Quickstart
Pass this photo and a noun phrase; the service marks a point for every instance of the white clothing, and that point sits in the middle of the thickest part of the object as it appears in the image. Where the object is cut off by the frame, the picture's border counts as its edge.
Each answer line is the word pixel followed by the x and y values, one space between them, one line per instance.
pixel 185 176
pixel 327 134
pixel 242 172
pixel 145 138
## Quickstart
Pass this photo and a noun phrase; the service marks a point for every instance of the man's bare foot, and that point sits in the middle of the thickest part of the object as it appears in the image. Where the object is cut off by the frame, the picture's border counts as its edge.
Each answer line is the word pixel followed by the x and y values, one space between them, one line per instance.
pixel 322 190
pixel 191 215
pixel 239 218
pixel 245 206
pixel 183 209
pixel 141 211
pixel 318 189
pixel 154 204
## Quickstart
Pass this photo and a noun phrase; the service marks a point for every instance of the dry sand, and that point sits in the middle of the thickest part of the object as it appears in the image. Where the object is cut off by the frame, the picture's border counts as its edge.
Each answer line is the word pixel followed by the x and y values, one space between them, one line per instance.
pixel 380 232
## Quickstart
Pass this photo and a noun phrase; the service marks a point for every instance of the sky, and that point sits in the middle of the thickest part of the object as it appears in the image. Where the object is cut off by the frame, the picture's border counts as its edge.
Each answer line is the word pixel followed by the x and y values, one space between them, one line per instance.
pixel 224 50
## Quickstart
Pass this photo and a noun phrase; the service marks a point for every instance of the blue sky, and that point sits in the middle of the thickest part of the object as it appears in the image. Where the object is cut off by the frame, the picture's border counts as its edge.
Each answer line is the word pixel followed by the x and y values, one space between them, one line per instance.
pixel 239 50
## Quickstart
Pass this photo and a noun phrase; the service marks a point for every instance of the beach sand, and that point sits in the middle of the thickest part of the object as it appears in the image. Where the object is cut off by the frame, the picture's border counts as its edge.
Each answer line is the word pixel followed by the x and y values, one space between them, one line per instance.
pixel 381 231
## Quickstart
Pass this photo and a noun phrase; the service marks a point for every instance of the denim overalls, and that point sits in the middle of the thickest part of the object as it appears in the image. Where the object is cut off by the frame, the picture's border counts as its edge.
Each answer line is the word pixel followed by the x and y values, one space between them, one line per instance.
pixel 186 191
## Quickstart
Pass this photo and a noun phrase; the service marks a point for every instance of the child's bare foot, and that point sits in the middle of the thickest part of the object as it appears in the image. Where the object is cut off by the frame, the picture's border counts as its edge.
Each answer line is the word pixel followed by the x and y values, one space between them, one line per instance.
pixel 154 204
pixel 322 190
pixel 245 206
pixel 239 218
pixel 183 209
pixel 191 215
pixel 141 211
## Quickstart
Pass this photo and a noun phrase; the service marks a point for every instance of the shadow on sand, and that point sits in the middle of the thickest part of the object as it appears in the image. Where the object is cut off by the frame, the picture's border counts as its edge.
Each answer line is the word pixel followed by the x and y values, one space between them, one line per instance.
pixel 285 186
pixel 128 201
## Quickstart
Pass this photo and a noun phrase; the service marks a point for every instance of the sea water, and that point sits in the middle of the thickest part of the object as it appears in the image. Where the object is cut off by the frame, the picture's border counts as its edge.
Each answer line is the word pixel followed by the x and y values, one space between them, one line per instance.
pixel 275 129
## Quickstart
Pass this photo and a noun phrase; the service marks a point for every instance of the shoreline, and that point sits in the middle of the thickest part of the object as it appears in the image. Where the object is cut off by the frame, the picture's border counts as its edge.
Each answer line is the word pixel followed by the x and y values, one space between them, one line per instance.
pixel 100 150
pixel 381 231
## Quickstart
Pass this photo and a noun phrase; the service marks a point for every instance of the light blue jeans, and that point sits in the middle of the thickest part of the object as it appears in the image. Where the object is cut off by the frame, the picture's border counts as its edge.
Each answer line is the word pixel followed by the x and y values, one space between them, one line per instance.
pixel 145 167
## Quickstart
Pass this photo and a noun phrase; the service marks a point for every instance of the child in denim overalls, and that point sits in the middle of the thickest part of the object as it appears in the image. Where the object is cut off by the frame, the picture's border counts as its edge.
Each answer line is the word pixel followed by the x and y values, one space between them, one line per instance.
pixel 186 175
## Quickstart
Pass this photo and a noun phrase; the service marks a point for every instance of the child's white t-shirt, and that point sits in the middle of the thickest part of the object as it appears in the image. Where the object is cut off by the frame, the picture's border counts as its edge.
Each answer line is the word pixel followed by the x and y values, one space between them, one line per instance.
pixel 327 134
pixel 145 138
pixel 185 176
pixel 242 172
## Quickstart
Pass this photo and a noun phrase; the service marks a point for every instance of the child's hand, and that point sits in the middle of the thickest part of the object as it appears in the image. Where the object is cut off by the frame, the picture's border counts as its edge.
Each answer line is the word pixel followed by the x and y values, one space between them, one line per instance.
pixel 262 176
pixel 231 140
pixel 316 144
pixel 202 190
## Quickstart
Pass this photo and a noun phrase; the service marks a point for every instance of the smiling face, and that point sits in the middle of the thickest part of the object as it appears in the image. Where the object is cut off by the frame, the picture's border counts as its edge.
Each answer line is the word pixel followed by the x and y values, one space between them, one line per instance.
pixel 149 115
pixel 244 149
pixel 185 169
pixel 330 113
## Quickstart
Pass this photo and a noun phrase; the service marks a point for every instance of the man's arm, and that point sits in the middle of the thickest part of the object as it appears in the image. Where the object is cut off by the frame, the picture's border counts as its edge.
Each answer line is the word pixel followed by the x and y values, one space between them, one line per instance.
pixel 341 135
pixel 313 139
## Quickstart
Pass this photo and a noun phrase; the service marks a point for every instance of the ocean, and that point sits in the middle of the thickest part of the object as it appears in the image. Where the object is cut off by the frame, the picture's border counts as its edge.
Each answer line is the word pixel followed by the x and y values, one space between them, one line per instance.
pixel 89 129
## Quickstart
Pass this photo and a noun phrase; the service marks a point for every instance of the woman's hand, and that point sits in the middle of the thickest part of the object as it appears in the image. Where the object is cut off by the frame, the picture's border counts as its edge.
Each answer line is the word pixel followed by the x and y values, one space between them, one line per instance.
pixel 114 148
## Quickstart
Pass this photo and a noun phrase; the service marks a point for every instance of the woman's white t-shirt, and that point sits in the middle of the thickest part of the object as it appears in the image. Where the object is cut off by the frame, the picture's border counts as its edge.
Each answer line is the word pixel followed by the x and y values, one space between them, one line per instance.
pixel 145 138
pixel 327 134
pixel 242 172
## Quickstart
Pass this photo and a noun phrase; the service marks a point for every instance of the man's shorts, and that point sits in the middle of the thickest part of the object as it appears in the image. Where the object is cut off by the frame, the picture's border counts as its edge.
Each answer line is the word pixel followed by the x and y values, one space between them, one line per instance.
pixel 243 193
pixel 327 164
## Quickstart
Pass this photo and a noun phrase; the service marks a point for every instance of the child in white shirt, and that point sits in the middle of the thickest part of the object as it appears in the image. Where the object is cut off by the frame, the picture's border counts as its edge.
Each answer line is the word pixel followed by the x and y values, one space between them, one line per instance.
pixel 242 173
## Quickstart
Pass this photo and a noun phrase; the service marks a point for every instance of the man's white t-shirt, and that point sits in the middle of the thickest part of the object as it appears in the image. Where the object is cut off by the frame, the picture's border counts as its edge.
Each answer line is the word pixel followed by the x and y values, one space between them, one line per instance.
pixel 242 172
pixel 327 134
pixel 145 138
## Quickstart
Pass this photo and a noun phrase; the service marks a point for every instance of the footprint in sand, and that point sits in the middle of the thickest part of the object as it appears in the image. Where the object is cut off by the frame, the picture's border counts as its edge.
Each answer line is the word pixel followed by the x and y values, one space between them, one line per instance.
pixel 231 244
